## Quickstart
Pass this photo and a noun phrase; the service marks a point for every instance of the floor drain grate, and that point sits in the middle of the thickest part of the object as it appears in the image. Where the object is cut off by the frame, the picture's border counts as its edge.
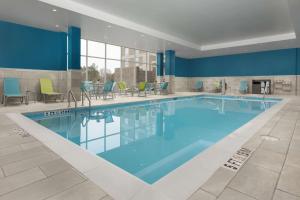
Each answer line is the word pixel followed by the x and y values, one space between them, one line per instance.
pixel 238 159
pixel 20 131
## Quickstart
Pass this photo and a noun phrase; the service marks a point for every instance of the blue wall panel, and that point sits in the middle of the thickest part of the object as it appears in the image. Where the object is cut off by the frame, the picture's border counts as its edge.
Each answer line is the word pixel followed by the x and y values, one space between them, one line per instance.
pixel 279 62
pixel 183 67
pixel 32 48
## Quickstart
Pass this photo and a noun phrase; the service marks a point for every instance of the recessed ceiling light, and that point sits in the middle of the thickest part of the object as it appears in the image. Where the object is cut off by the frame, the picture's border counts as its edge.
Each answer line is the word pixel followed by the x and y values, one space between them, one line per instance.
pixel 56 25
pixel 54 10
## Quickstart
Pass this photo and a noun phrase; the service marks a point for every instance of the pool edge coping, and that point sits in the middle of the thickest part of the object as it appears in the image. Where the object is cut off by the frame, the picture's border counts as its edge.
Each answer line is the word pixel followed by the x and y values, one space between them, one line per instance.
pixel 178 184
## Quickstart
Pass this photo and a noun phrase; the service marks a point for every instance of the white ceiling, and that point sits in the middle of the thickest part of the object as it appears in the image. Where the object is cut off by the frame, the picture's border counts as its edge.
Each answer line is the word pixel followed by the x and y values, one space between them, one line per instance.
pixel 203 21
pixel 185 26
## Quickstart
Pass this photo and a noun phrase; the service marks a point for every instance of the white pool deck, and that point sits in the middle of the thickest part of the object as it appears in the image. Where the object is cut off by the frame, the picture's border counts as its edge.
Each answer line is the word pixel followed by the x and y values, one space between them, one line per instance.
pixel 266 175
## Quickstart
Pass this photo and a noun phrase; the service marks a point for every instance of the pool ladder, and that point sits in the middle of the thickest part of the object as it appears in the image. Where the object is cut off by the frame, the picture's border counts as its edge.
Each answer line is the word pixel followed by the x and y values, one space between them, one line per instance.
pixel 84 94
pixel 71 95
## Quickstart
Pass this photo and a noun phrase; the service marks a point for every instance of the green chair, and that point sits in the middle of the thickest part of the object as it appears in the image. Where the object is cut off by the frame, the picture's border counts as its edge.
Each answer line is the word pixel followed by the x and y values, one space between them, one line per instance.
pixel 142 89
pixel 122 88
pixel 108 88
pixel 198 86
pixel 163 89
pixel 47 89
pixel 217 86
pixel 244 87
pixel 11 89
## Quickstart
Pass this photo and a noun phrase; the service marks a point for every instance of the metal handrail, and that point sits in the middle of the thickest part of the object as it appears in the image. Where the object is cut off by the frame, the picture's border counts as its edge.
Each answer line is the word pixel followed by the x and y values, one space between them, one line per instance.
pixel 84 93
pixel 71 94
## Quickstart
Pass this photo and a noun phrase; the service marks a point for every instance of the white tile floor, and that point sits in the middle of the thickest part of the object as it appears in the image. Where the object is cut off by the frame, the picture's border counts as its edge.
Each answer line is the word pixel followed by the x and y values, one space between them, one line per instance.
pixel 272 172
pixel 29 170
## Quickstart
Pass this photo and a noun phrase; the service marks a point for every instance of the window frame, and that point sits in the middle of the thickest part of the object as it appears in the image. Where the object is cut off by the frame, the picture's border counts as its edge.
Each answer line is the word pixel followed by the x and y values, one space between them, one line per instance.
pixel 122 59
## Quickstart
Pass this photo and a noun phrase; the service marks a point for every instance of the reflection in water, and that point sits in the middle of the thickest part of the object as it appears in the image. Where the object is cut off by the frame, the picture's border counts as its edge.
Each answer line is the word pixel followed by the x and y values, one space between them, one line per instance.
pixel 150 140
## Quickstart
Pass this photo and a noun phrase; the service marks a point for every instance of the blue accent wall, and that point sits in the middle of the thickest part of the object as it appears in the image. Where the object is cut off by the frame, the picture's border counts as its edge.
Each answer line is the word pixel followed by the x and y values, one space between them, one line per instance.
pixel 183 67
pixel 74 34
pixel 32 48
pixel 278 62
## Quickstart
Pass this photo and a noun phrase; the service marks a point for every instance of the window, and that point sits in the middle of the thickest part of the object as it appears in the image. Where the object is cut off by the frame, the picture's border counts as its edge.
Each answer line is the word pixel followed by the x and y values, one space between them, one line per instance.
pixel 101 62
pixel 113 52
pixel 96 49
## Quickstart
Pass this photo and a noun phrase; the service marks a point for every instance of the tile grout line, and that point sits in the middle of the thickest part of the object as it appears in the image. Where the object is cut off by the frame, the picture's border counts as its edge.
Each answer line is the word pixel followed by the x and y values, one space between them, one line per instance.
pixel 248 159
pixel 65 190
pixel 276 185
pixel 4 176
pixel 242 193
pixel 288 193
pixel 40 180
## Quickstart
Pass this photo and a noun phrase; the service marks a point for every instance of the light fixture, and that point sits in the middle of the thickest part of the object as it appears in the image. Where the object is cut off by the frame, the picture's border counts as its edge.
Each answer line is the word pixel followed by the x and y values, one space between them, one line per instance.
pixel 54 10
pixel 57 26
pixel 252 41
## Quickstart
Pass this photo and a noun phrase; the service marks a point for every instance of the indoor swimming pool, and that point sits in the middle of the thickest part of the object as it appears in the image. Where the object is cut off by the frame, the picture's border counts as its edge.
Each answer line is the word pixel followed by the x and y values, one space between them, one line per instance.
pixel 150 139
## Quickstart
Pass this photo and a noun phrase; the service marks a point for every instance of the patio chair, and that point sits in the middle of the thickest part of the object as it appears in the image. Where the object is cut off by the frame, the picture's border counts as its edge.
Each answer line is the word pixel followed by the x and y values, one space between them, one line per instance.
pixel 11 89
pixel 198 86
pixel 244 87
pixel 108 88
pixel 141 89
pixel 163 89
pixel 149 88
pixel 88 87
pixel 47 90
pixel 217 86
pixel 122 88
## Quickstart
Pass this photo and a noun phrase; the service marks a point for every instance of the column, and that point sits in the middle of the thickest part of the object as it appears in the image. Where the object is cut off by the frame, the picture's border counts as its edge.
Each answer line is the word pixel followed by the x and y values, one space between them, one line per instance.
pixel 170 70
pixel 74 68
pixel 160 66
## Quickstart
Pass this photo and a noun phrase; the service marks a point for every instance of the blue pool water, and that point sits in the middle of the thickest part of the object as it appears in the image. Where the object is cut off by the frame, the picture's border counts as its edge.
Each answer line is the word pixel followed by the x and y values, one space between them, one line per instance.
pixel 150 139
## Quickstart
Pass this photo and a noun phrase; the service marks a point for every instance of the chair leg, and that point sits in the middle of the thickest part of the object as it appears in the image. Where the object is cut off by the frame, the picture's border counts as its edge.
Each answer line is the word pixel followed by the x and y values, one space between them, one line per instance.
pixel 5 101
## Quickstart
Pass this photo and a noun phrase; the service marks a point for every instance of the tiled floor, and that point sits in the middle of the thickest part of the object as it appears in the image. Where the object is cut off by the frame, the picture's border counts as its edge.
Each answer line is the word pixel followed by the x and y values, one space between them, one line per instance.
pixel 273 170
pixel 29 170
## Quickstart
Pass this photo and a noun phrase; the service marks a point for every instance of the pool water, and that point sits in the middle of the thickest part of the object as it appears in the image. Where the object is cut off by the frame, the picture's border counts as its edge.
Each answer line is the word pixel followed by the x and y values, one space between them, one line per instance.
pixel 152 138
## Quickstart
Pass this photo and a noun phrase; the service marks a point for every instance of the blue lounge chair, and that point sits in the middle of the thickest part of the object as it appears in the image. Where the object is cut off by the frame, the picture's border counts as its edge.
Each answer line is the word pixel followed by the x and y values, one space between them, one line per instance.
pixel 164 88
pixel 244 87
pixel 108 88
pixel 11 89
pixel 88 87
pixel 198 86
